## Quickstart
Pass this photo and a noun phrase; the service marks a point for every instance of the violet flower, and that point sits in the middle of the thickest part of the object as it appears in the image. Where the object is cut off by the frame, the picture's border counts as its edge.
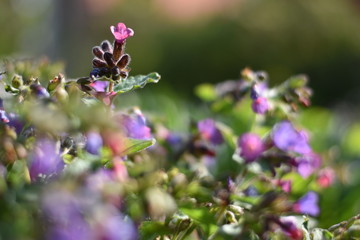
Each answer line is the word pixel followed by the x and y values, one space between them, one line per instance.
pixel 260 105
pixel 210 132
pixel 63 210
pixel 288 139
pixel 134 125
pixel 94 142
pixel 251 147
pixel 45 160
pixel 307 164
pixel 121 32
pixel 99 86
pixel 117 227
pixel 308 204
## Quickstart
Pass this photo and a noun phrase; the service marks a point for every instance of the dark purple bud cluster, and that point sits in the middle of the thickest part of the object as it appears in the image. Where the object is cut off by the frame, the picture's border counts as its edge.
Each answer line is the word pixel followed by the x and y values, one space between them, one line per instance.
pixel 110 61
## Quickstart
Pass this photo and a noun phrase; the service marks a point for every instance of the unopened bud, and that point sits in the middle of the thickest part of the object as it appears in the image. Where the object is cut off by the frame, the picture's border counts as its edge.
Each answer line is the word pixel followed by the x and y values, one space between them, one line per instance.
pixel 98 52
pixel 108 57
pixel 106 46
pixel 115 72
pixel 17 81
pixel 124 61
pixel 97 63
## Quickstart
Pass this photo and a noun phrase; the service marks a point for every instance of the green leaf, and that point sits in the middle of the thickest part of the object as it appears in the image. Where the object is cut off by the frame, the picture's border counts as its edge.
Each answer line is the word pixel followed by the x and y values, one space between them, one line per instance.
pixel 136 145
pixel 138 81
pixel 206 92
pixel 150 230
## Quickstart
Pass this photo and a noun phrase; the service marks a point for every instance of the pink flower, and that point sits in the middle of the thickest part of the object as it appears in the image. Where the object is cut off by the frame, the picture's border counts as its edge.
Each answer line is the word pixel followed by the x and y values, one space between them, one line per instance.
pixel 121 32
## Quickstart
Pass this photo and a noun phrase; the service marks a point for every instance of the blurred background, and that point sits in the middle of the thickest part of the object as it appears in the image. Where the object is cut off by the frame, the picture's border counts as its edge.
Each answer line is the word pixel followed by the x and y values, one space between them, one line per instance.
pixel 195 41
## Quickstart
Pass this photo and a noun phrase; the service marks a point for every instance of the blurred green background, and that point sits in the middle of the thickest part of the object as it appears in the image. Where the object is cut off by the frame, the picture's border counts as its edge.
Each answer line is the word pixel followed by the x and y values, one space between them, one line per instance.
pixel 190 42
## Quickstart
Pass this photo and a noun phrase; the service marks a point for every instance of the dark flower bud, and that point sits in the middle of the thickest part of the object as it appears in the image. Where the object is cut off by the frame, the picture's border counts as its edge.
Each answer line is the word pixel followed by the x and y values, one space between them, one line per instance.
pixel 97 63
pixel 94 73
pixel 108 57
pixel 98 52
pixel 119 48
pixel 124 74
pixel 124 61
pixel 106 46
pixel 115 72
pixel 85 80
pixel 104 72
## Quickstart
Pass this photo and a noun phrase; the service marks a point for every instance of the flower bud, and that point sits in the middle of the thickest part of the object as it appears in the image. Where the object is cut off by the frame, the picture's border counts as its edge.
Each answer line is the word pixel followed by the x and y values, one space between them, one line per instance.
pixel 106 46
pixel 98 52
pixel 17 81
pixel 124 61
pixel 115 72
pixel 119 48
pixel 97 63
pixel 108 57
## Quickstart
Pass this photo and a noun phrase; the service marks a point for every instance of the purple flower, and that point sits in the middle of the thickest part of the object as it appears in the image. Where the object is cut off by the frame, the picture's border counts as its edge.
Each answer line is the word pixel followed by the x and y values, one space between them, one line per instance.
pixel 251 147
pixel 260 105
pixel 39 91
pixel 45 159
pixel 94 142
pixel 308 163
pixel 288 139
pixel 308 204
pixel 209 131
pixel 134 125
pixel 117 227
pixel 63 210
pixel 15 122
pixel 99 86
pixel 121 32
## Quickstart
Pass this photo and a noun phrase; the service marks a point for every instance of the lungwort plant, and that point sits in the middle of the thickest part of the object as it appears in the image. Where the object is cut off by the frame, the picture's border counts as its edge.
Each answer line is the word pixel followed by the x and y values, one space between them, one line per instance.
pixel 74 166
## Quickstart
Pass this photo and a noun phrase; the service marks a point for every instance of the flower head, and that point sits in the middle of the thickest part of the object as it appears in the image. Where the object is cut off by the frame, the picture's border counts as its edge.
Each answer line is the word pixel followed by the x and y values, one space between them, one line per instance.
pixel 45 159
pixel 251 146
pixel 308 163
pixel 288 139
pixel 94 142
pixel 260 105
pixel 209 131
pixel 134 125
pixel 308 204
pixel 121 32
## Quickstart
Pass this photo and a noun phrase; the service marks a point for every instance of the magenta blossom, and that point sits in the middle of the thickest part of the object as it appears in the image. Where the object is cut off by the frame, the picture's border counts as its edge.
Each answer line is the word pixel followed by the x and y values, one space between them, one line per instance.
pixel 251 147
pixel 121 32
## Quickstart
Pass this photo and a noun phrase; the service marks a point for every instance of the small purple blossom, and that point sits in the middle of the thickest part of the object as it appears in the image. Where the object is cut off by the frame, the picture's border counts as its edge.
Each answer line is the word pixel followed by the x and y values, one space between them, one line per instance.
pixel 208 130
pixel 117 227
pixel 134 125
pixel 251 147
pixel 308 163
pixel 99 86
pixel 288 139
pixel 308 204
pixel 63 211
pixel 45 159
pixel 260 105
pixel 94 142
pixel 121 32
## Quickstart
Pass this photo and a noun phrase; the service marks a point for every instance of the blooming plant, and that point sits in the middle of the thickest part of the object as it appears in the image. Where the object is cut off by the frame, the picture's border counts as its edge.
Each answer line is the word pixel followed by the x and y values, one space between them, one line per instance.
pixel 75 166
